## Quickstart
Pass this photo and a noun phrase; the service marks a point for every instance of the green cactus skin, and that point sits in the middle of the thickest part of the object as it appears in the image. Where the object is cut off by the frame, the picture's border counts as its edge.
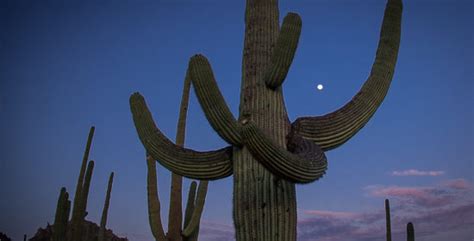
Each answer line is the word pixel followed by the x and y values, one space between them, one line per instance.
pixel 387 220
pixel 61 217
pixel 182 161
pixel 77 214
pixel 77 231
pixel 410 232
pixel 105 211
pixel 264 183
pixel 177 231
pixel 212 101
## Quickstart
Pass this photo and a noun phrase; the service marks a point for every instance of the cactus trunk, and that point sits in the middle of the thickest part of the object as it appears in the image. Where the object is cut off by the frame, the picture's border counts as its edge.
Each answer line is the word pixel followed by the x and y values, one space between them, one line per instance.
pixel 268 199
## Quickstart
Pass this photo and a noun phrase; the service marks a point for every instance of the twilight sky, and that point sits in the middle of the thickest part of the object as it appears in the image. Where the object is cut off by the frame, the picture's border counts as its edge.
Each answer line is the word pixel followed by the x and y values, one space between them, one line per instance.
pixel 67 65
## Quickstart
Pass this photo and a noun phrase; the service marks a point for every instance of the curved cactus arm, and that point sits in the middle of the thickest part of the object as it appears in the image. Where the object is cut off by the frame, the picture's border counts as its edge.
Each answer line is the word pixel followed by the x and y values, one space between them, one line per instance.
pixel 284 51
pixel 307 163
pixel 334 129
pixel 193 224
pixel 154 206
pixel 209 165
pixel 211 100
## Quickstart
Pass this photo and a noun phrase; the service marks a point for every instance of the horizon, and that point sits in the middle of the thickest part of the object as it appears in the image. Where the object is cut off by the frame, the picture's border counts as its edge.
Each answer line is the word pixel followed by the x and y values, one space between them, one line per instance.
pixel 66 66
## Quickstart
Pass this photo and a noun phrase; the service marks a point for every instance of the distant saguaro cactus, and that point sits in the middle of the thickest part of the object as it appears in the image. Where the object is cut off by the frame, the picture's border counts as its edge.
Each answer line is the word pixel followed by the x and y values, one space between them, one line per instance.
pixel 195 202
pixel 410 232
pixel 105 211
pixel 268 154
pixel 387 220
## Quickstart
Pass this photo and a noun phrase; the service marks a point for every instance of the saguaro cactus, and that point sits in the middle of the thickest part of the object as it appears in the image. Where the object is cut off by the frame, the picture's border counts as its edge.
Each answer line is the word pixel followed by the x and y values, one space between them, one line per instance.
pixel 268 154
pixel 103 220
pixel 194 206
pixel 62 216
pixel 387 220
pixel 410 232
pixel 82 191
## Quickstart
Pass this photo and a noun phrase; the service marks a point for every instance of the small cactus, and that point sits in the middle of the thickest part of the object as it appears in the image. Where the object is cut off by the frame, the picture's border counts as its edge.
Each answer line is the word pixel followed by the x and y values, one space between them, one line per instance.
pixel 103 221
pixel 410 232
pixel 387 220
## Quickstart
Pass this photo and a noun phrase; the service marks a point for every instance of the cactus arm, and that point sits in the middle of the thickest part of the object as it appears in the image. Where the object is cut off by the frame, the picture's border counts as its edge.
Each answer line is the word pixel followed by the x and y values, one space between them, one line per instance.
pixel 193 224
pixel 209 165
pixel 154 206
pixel 307 163
pixel 284 51
pixel 211 100
pixel 76 214
pixel 103 220
pixel 85 190
pixel 334 129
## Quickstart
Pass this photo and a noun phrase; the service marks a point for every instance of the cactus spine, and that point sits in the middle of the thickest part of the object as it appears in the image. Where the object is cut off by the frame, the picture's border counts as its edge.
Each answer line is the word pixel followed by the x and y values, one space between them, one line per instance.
pixel 387 220
pixel 410 232
pixel 268 154
pixel 103 220
pixel 82 191
pixel 177 231
pixel 62 216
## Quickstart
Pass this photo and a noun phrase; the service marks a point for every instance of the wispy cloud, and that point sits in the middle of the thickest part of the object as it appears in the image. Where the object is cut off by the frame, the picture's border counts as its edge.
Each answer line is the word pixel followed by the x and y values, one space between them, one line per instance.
pixel 414 172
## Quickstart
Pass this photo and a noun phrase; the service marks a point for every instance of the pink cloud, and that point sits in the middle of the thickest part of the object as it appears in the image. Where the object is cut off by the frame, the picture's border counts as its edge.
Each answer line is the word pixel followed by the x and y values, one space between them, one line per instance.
pixel 330 214
pixel 461 184
pixel 414 172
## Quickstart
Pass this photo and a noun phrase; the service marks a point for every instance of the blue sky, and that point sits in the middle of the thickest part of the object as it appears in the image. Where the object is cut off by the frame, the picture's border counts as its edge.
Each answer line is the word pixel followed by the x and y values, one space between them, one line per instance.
pixel 67 65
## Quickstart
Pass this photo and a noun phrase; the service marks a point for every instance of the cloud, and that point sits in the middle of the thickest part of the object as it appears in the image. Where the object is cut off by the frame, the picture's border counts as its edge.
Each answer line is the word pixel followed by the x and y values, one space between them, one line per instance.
pixel 414 172
pixel 434 210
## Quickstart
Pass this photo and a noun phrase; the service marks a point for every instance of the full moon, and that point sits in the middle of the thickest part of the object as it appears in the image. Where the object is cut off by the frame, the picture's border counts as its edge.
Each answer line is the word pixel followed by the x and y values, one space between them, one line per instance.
pixel 320 87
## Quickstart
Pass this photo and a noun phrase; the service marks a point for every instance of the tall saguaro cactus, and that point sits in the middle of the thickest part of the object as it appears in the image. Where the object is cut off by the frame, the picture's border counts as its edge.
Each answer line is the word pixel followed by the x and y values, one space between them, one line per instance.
pixel 268 154
pixel 195 202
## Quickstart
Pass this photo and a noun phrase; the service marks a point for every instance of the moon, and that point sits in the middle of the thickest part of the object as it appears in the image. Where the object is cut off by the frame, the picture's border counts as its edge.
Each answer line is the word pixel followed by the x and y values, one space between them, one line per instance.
pixel 320 87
